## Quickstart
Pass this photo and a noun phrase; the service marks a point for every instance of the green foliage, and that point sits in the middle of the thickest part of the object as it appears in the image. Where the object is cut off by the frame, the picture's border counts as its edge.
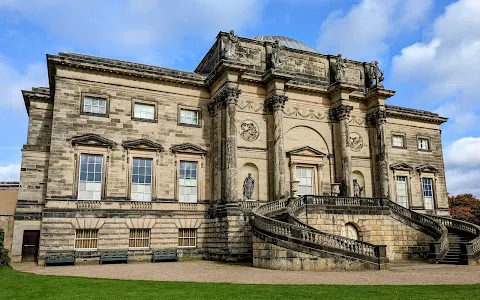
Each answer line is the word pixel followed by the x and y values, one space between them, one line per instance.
pixel 18 285
pixel 4 258
pixel 465 207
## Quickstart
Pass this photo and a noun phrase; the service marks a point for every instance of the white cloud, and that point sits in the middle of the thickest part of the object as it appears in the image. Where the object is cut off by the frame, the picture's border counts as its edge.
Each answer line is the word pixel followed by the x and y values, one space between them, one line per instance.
pixel 363 32
pixel 12 81
pixel 136 24
pixel 447 64
pixel 10 172
pixel 462 162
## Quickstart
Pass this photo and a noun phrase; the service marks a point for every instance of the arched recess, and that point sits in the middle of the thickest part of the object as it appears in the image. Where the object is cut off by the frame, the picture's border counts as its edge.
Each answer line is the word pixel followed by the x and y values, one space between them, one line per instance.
pixel 358 176
pixel 352 231
pixel 301 135
pixel 249 168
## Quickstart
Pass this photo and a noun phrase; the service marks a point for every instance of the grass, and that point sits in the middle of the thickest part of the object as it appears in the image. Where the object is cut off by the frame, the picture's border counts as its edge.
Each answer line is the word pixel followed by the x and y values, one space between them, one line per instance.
pixel 19 285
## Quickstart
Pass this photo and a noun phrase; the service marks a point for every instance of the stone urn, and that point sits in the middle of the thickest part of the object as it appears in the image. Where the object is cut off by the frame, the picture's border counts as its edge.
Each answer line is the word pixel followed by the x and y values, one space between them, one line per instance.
pixel 294 188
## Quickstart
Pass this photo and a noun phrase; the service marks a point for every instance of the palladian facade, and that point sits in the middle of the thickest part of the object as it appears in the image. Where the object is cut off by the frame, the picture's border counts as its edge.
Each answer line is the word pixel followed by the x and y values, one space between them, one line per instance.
pixel 268 152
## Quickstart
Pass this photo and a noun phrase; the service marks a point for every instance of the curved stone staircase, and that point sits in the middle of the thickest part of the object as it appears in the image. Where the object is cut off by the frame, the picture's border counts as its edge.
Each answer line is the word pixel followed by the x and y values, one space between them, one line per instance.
pixel 277 222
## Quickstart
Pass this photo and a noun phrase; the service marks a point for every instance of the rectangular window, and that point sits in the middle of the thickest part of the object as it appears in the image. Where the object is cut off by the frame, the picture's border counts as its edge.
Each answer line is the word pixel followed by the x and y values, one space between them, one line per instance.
pixel 139 238
pixel 305 180
pixel 423 144
pixel 142 179
pixel 398 141
pixel 95 105
pixel 144 111
pixel 187 237
pixel 189 117
pixel 402 191
pixel 86 239
pixel 427 184
pixel 188 182
pixel 90 181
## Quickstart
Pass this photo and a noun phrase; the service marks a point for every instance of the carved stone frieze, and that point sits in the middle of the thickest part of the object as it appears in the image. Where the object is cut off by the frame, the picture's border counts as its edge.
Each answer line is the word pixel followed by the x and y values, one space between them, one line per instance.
pixel 304 113
pixel 249 105
pixel 249 131
pixel 356 142
pixel 359 120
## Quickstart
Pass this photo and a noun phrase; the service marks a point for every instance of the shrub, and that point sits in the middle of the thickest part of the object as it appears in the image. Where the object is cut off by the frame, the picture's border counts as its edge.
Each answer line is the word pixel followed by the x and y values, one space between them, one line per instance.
pixel 4 258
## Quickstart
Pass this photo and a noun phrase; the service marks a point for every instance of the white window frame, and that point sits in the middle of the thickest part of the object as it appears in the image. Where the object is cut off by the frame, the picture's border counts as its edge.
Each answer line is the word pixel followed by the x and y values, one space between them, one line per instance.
pixel 350 231
pixel 402 139
pixel 303 179
pixel 92 231
pixel 189 183
pixel 428 199
pixel 188 120
pixel 140 111
pixel 187 234
pixel 423 144
pixel 94 186
pixel 145 235
pixel 95 105
pixel 141 188
pixel 398 184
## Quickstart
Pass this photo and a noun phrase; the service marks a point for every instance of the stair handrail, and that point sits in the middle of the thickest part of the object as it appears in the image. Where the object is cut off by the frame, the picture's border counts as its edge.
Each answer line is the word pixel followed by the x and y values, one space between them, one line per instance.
pixel 308 234
pixel 463 226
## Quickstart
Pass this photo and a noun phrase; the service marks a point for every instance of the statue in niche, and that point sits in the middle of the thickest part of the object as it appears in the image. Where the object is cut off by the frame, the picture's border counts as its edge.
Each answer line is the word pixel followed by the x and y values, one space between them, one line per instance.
pixel 375 75
pixel 340 66
pixel 229 48
pixel 357 189
pixel 275 58
pixel 248 186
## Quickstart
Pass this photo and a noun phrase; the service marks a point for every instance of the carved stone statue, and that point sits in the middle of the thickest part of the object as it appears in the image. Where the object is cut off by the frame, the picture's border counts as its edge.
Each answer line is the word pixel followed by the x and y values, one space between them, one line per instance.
pixel 357 189
pixel 229 49
pixel 375 75
pixel 340 66
pixel 248 186
pixel 275 58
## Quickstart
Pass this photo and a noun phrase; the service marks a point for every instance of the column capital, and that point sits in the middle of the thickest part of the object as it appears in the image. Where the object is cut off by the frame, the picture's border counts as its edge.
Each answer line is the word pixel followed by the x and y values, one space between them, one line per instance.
pixel 228 95
pixel 377 116
pixel 275 102
pixel 340 112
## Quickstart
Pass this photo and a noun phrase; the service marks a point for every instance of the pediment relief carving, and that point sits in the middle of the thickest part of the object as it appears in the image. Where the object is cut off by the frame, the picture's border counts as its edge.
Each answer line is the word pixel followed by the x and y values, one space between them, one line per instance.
pixel 401 166
pixel 92 140
pixel 142 144
pixel 427 169
pixel 306 151
pixel 188 148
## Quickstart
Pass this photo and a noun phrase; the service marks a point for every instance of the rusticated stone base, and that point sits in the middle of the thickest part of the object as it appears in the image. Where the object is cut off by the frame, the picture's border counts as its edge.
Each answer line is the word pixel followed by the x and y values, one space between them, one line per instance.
pixel 270 256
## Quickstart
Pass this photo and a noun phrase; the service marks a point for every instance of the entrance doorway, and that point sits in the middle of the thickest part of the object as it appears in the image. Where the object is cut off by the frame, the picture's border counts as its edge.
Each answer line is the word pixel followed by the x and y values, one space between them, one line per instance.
pixel 30 244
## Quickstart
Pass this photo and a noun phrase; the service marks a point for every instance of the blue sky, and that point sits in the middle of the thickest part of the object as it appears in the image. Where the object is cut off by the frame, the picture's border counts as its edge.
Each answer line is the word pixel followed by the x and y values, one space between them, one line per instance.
pixel 429 50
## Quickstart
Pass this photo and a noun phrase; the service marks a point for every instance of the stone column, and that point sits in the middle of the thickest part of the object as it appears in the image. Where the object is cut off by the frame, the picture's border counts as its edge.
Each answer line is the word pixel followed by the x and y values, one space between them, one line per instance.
pixel 293 179
pixel 341 114
pixel 320 178
pixel 275 104
pixel 379 118
pixel 228 99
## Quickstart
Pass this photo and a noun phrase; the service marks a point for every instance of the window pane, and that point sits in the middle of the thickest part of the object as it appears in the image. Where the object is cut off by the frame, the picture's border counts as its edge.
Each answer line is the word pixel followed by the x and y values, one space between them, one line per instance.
pixel 144 111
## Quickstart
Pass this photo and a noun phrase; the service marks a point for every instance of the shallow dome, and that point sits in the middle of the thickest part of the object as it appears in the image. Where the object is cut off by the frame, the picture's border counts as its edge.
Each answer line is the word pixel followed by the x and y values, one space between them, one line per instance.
pixel 285 41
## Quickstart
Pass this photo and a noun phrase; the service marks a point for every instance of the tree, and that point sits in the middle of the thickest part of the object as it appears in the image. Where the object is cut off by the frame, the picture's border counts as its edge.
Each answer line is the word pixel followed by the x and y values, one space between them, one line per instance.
pixel 465 207
pixel 4 258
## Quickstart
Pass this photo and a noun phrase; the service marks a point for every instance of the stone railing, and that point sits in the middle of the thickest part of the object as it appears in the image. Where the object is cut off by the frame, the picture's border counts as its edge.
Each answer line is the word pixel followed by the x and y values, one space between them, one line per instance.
pixel 335 201
pixel 469 250
pixel 88 204
pixel 307 236
pixel 188 206
pixel 249 205
pixel 427 225
pixel 141 205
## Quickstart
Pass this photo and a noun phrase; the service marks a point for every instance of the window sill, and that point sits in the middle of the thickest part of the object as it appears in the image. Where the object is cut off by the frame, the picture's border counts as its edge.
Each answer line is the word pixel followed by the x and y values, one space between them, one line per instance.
pixel 186 247
pixel 94 114
pixel 139 249
pixel 144 120
pixel 189 125
pixel 401 148
pixel 425 151
pixel 86 249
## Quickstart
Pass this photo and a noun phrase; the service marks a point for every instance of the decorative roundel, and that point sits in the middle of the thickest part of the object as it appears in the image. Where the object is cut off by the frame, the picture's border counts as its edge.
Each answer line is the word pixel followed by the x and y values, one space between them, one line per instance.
pixel 249 130
pixel 356 142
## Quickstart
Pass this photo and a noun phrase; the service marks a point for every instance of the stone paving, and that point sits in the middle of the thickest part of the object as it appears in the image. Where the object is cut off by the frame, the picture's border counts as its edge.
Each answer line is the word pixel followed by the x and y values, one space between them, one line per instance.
pixel 207 271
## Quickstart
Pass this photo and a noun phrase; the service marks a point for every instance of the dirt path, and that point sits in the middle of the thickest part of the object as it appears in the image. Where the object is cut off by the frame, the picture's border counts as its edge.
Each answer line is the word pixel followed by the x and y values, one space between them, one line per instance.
pixel 207 271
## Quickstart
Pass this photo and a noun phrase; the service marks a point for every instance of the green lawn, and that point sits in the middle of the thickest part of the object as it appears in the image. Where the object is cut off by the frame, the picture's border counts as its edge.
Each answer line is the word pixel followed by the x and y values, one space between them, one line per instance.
pixel 18 285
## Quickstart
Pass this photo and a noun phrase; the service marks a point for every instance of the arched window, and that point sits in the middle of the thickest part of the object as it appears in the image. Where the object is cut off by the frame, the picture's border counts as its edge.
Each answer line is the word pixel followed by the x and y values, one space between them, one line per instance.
pixel 350 231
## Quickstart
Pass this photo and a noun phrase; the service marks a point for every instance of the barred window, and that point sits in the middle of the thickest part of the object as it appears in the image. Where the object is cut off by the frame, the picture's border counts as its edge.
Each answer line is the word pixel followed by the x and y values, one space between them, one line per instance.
pixel 187 237
pixel 95 105
pixel 139 238
pixel 86 239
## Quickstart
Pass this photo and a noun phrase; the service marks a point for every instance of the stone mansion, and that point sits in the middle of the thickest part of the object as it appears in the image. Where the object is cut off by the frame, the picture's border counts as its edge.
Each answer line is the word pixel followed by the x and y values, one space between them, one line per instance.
pixel 268 152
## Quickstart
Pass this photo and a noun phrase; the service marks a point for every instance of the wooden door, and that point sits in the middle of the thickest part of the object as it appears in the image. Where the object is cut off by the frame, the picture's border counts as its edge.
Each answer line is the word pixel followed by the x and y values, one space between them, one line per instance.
pixel 30 245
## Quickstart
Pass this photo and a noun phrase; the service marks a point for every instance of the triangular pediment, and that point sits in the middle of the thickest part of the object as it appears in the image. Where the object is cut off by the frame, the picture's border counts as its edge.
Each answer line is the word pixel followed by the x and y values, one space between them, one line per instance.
pixel 306 151
pixel 92 140
pixel 142 144
pixel 427 169
pixel 401 166
pixel 188 148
